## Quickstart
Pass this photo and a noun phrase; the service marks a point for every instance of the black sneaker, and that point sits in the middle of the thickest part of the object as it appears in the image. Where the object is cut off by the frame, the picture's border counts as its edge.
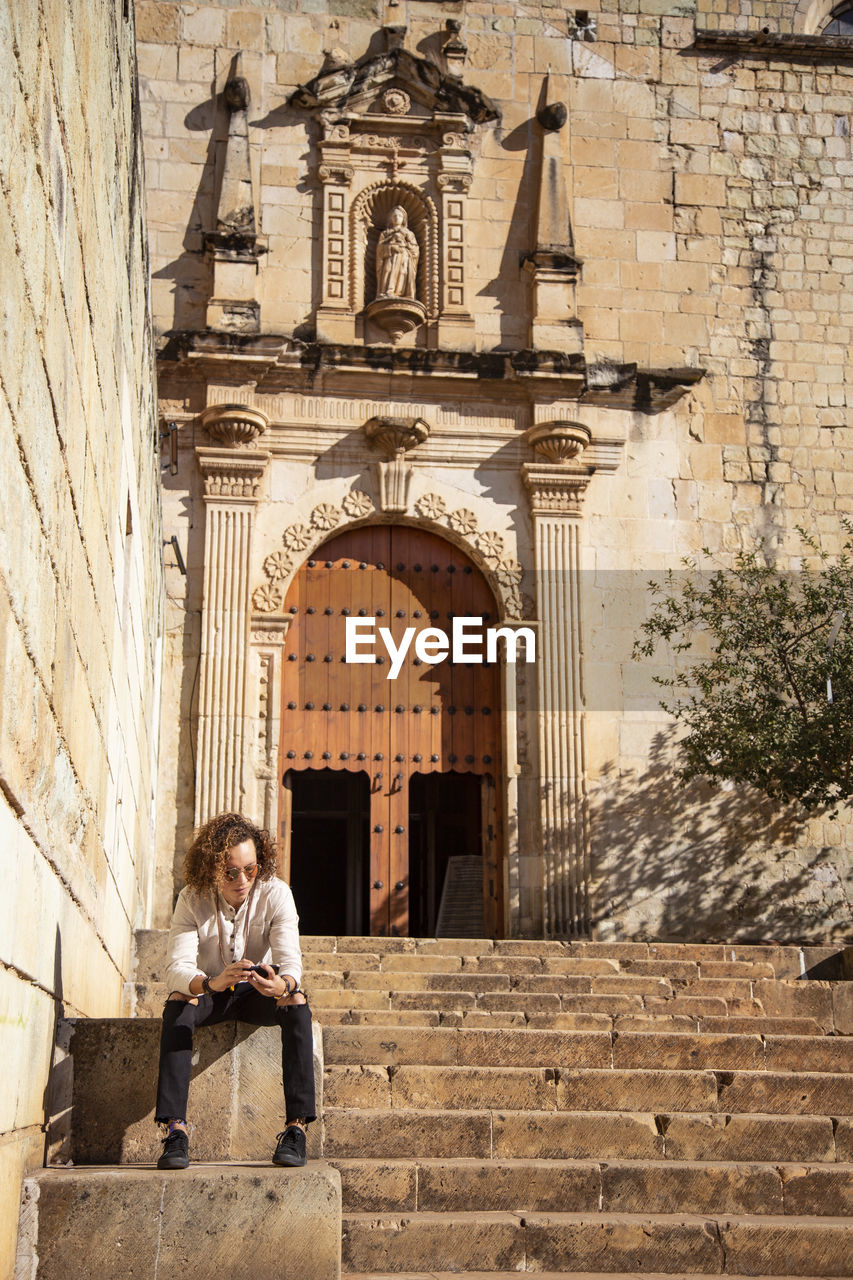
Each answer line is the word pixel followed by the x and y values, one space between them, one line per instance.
pixel 176 1151
pixel 291 1147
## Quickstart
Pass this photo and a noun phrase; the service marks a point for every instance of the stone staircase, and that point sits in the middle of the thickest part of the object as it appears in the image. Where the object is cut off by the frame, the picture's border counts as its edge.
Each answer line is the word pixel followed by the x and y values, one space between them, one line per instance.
pixel 585 1108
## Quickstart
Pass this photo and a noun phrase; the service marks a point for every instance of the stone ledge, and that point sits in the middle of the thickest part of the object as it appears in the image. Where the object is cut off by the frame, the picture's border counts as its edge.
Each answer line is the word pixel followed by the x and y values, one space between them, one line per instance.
pixel 109 1073
pixel 246 1222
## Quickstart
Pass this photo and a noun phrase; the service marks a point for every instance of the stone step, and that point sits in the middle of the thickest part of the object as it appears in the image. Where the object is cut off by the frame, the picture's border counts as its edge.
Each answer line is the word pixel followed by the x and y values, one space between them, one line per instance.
pixel 575 1242
pixel 531 955
pixel 662 1050
pixel 555 1275
pixel 109 1224
pixel 469 1088
pixel 585 1135
pixel 541 1186
pixel 545 1089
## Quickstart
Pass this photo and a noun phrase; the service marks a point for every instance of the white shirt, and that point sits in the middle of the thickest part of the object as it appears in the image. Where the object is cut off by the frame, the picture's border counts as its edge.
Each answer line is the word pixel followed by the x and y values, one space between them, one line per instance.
pixel 263 929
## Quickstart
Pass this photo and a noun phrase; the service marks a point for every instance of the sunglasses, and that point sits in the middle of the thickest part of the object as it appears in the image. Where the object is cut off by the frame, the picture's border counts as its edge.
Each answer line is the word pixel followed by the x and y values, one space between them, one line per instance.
pixel 234 873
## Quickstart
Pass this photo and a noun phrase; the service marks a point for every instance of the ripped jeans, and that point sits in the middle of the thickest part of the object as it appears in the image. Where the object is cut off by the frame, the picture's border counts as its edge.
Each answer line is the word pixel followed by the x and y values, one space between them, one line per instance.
pixel 243 1004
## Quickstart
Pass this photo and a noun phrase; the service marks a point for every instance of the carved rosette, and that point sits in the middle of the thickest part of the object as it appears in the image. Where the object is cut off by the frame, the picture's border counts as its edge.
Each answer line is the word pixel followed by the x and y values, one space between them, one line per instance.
pixel 486 547
pixel 234 426
pixel 357 504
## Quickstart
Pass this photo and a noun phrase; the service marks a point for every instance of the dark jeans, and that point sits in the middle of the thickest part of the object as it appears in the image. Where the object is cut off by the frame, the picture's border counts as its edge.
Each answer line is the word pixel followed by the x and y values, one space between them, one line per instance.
pixel 243 1004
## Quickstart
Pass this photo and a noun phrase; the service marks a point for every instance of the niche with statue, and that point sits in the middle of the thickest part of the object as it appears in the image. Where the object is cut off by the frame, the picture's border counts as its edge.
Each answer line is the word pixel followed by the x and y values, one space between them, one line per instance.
pixel 394 146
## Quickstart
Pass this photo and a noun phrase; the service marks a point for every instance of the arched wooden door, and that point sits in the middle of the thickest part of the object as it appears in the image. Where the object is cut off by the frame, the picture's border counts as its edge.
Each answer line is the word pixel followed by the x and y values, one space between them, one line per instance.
pixel 441 719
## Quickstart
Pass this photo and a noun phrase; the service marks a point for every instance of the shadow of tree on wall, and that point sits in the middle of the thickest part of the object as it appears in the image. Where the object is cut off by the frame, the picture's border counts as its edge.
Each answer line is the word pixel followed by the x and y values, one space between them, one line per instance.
pixel 695 863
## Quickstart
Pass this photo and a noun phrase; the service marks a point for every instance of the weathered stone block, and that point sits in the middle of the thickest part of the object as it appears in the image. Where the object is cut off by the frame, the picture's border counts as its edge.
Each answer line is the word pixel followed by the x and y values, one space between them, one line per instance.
pixel 687 1051
pixel 819 1192
pixel 378 1186
pixel 398 1133
pixel 573 1135
pixel 615 1243
pixel 636 1090
pixel 390 1045
pixel 533 1048
pixel 517 1185
pixel 671 1188
pixel 357 1086
pixel 236 1096
pixel 787 1248
pixel 809 1053
pixel 432 1242
pixel 740 1137
pixel 786 1094
pixel 471 1088
pixel 109 1223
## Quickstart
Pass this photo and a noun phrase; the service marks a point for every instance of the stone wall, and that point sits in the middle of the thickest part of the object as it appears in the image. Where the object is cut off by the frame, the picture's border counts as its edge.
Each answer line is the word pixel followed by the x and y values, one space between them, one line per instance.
pixel 80 546
pixel 710 196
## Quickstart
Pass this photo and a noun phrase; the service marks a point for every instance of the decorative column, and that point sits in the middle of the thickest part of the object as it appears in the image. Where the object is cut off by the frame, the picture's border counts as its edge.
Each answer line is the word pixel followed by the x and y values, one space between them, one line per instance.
pixel 556 488
pixel 232 476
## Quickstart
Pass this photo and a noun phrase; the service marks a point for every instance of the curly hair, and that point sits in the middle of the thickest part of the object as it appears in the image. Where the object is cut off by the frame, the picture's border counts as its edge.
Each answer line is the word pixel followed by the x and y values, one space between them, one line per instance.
pixel 205 859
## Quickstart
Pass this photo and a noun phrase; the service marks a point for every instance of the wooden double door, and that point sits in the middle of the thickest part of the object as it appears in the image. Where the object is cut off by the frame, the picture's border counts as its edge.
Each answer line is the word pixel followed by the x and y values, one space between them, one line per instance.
pixel 386 781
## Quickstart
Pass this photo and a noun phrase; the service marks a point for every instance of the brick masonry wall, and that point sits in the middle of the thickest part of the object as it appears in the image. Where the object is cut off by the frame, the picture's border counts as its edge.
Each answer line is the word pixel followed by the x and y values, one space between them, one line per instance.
pixel 710 200
pixel 80 545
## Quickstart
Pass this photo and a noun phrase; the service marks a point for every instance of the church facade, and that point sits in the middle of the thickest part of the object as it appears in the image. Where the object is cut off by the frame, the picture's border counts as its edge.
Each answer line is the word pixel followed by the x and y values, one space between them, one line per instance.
pixel 469 318
pixel 488 311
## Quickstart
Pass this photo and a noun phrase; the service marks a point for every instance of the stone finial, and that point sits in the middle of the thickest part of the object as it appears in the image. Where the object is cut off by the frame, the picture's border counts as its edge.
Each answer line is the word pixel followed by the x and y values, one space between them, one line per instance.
pixel 552 264
pixel 558 442
pixel 553 223
pixel 236 211
pixel 394 37
pixel 234 244
pixel 454 48
pixel 234 425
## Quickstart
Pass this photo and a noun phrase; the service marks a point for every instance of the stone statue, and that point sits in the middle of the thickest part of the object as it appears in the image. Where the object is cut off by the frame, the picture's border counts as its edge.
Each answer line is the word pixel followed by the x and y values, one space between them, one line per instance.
pixel 397 258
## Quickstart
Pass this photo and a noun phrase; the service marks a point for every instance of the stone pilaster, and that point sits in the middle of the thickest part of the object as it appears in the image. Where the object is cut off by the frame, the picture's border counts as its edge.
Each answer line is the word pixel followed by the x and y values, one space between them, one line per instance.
pixel 232 481
pixel 556 492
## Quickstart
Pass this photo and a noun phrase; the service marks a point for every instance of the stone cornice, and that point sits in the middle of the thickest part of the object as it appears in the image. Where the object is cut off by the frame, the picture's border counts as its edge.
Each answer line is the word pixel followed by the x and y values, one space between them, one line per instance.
pixel 771 46
pixel 274 363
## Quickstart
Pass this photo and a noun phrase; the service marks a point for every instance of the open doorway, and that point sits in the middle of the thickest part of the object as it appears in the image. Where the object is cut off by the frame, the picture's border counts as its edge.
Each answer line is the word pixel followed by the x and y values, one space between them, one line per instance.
pixel 445 822
pixel 329 844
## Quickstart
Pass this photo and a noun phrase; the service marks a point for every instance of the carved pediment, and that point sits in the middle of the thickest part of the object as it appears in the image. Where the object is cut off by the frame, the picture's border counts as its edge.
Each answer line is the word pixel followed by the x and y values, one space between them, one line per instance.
pixel 362 87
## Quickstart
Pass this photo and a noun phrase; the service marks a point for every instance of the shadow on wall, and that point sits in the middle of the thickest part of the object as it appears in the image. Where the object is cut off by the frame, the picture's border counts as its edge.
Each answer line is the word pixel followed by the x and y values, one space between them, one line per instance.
pixel 692 863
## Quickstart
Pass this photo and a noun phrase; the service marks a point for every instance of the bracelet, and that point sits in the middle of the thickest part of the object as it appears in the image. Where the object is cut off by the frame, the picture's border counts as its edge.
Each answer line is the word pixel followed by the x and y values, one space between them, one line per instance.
pixel 205 986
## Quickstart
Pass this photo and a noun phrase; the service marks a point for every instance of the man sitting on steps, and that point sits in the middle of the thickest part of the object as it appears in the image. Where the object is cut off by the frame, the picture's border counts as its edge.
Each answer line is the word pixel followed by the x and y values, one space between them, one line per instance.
pixel 234 954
